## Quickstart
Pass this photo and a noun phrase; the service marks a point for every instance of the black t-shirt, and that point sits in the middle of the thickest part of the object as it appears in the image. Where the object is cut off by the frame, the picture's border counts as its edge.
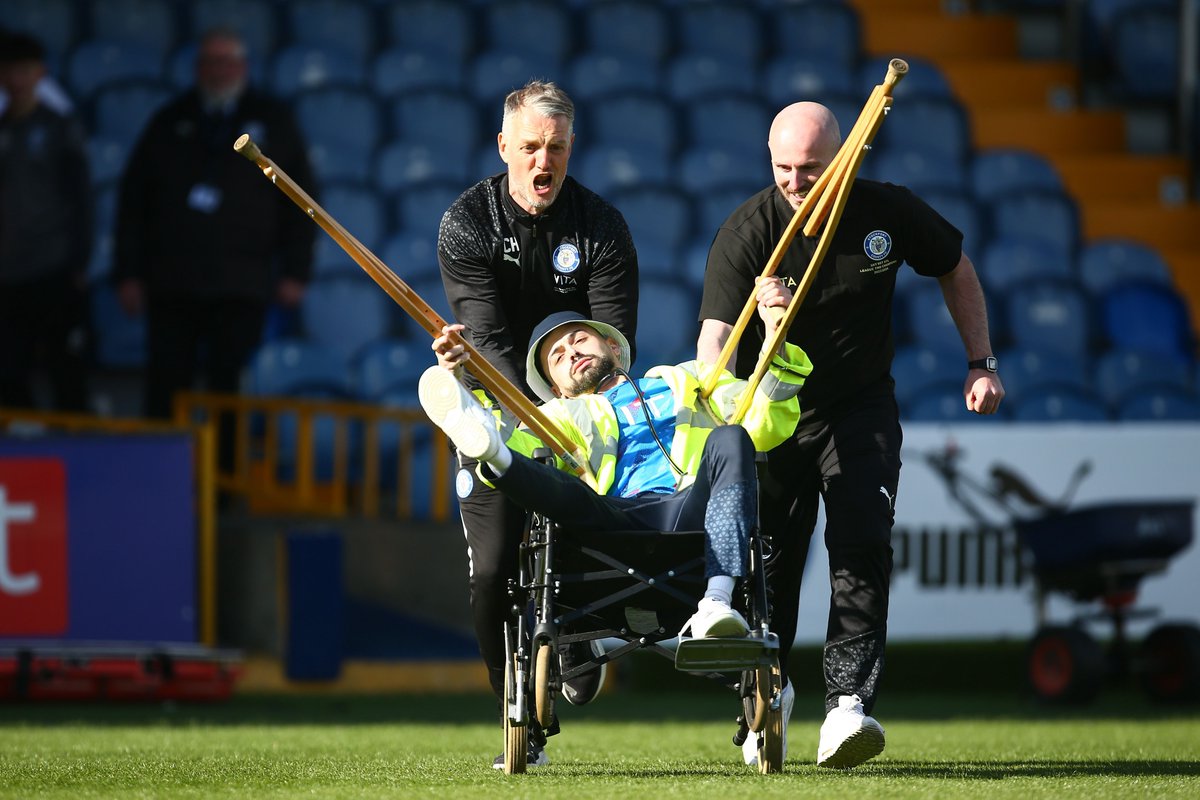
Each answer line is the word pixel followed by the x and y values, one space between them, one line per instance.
pixel 505 271
pixel 845 321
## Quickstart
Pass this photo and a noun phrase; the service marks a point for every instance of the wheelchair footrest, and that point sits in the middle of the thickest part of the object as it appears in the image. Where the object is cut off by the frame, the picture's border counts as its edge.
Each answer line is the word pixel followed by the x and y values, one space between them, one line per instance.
pixel 725 654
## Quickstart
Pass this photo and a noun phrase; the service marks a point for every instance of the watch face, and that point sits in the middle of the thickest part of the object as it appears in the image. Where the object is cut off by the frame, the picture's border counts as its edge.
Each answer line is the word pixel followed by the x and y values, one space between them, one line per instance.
pixel 991 365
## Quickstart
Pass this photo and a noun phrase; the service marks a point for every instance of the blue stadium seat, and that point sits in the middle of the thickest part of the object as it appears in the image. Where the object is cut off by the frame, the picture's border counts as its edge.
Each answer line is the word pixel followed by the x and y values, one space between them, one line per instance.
pixel 918 169
pixel 400 163
pixel 1051 215
pixel 344 312
pixel 96 63
pixel 120 339
pixel 790 78
pixel 288 367
pixel 1122 371
pixel 107 157
pixel 659 219
pixel 148 24
pixel 1146 52
pixel 1059 403
pixel 701 170
pixel 57 24
pixel 846 109
pixel 121 110
pixel 925 122
pixel 1050 314
pixel 689 76
pixel 298 68
pixel 1147 316
pixel 1024 368
pixel 104 215
pixel 420 208
pixel 693 262
pixel 726 119
pixel 925 309
pixel 255 20
pixel 997 171
pixel 962 211
pixel 390 366
pixel 429 287
pixel 438 118
pixel 487 161
pixel 924 79
pixel 824 32
pixel 1161 403
pixel 943 403
pixel 409 253
pixel 640 29
pixel 444 25
pixel 397 70
pixel 496 72
pixel 1104 263
pixel 603 168
pixel 596 73
pixel 340 117
pixel 334 164
pixel 725 29
pixel 346 25
pixel 1009 261
pixel 357 208
pixel 538 27
pixel 667 323
pixel 916 367
pixel 638 120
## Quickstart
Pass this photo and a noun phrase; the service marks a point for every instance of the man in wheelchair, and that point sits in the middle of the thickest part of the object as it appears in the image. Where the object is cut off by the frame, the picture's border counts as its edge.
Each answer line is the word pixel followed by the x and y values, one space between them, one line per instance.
pixel 659 457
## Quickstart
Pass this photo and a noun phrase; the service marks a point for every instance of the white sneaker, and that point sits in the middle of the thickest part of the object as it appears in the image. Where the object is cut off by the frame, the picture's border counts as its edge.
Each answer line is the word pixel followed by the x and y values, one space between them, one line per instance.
pixel 750 746
pixel 715 619
pixel 456 411
pixel 848 736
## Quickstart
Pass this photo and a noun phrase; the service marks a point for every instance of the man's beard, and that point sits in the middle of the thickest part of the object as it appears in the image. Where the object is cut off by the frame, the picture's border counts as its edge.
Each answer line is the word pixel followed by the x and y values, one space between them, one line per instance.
pixel 592 376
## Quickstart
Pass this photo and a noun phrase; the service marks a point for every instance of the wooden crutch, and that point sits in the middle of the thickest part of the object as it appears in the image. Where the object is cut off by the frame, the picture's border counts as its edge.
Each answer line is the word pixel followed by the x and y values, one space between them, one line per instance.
pixel 814 209
pixel 412 303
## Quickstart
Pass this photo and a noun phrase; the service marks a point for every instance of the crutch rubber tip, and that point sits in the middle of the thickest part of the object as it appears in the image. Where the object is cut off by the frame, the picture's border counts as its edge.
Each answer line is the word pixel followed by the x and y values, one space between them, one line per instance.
pixel 246 146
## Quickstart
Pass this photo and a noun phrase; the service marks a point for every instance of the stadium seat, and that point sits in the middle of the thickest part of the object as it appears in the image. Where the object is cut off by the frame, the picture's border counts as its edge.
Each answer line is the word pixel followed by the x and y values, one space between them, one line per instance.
pixel 916 367
pixel 419 208
pixel 104 215
pixel 639 120
pixel 667 323
pixel 1104 263
pixel 1051 215
pixel 288 367
pixel 789 78
pixel 1147 316
pixel 254 19
pixel 919 169
pixel 121 110
pixel 57 24
pixel 828 33
pixel 943 403
pixel 96 63
pixel 659 219
pixel 443 25
pixel 727 30
pixel 120 339
pixel 390 366
pixel 716 185
pixel 925 122
pixel 603 168
pixel 1145 51
pixel 538 27
pixel 438 118
pixel 1009 261
pixel 340 118
pixel 1161 403
pixel 346 25
pixel 1024 368
pixel 740 122
pixel 1050 314
pixel 925 309
pixel 998 171
pixel 333 164
pixel 1059 403
pixel 399 164
pixel 597 73
pixel 107 157
pixel 397 70
pixel 357 208
pixel 429 287
pixel 409 253
pixel 147 24
pixel 640 29
pixel 343 312
pixel 298 68
pixel 496 72
pixel 962 211
pixel 689 76
pixel 924 79
pixel 1122 372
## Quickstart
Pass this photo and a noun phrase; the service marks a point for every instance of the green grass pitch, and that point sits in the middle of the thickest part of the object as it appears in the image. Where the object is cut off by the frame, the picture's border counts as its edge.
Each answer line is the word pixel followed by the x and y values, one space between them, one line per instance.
pixel 628 744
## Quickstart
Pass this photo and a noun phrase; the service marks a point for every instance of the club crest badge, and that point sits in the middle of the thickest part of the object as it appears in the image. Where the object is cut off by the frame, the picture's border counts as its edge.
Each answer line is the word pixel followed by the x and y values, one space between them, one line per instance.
pixel 566 258
pixel 464 482
pixel 877 245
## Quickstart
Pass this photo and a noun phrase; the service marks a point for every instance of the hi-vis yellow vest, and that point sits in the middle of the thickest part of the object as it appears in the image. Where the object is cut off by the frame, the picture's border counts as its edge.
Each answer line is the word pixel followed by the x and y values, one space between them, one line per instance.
pixel 591 423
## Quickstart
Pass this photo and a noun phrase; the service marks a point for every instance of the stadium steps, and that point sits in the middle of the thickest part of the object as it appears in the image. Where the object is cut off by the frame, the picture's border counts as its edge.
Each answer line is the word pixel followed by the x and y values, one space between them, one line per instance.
pixel 1013 102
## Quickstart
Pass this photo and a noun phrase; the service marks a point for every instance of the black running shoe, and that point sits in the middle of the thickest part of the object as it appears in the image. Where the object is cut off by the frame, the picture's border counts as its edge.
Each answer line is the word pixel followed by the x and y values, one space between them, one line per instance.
pixel 583 688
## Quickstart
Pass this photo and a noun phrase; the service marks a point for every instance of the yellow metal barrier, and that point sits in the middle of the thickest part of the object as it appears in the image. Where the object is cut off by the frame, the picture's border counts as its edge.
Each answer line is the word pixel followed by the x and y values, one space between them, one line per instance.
pixel 203 436
pixel 256 467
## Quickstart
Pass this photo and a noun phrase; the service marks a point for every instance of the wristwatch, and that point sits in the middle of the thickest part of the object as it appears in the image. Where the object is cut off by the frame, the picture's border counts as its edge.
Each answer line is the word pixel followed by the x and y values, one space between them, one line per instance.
pixel 988 363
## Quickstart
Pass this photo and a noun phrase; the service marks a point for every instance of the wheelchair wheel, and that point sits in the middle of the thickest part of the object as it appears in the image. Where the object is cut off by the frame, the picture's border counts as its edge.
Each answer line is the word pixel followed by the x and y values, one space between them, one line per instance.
pixel 543 693
pixel 516 735
pixel 755 704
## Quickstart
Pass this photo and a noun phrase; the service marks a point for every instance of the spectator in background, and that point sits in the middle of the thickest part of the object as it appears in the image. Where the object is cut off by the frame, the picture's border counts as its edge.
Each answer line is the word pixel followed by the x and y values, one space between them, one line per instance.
pixel 204 245
pixel 45 235
pixel 514 248
pixel 846 449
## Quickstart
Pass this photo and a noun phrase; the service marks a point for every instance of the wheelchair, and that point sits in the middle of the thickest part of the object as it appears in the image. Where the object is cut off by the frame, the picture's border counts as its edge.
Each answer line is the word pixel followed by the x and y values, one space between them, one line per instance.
pixel 639 587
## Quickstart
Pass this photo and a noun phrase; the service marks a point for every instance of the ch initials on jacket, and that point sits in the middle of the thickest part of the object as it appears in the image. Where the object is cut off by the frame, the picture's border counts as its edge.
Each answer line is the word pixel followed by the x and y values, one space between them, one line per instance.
pixel 512 250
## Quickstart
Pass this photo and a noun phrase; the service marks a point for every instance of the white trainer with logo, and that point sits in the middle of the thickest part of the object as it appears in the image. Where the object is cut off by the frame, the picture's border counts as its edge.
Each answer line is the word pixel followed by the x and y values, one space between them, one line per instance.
pixel 714 619
pixel 848 736
pixel 456 411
